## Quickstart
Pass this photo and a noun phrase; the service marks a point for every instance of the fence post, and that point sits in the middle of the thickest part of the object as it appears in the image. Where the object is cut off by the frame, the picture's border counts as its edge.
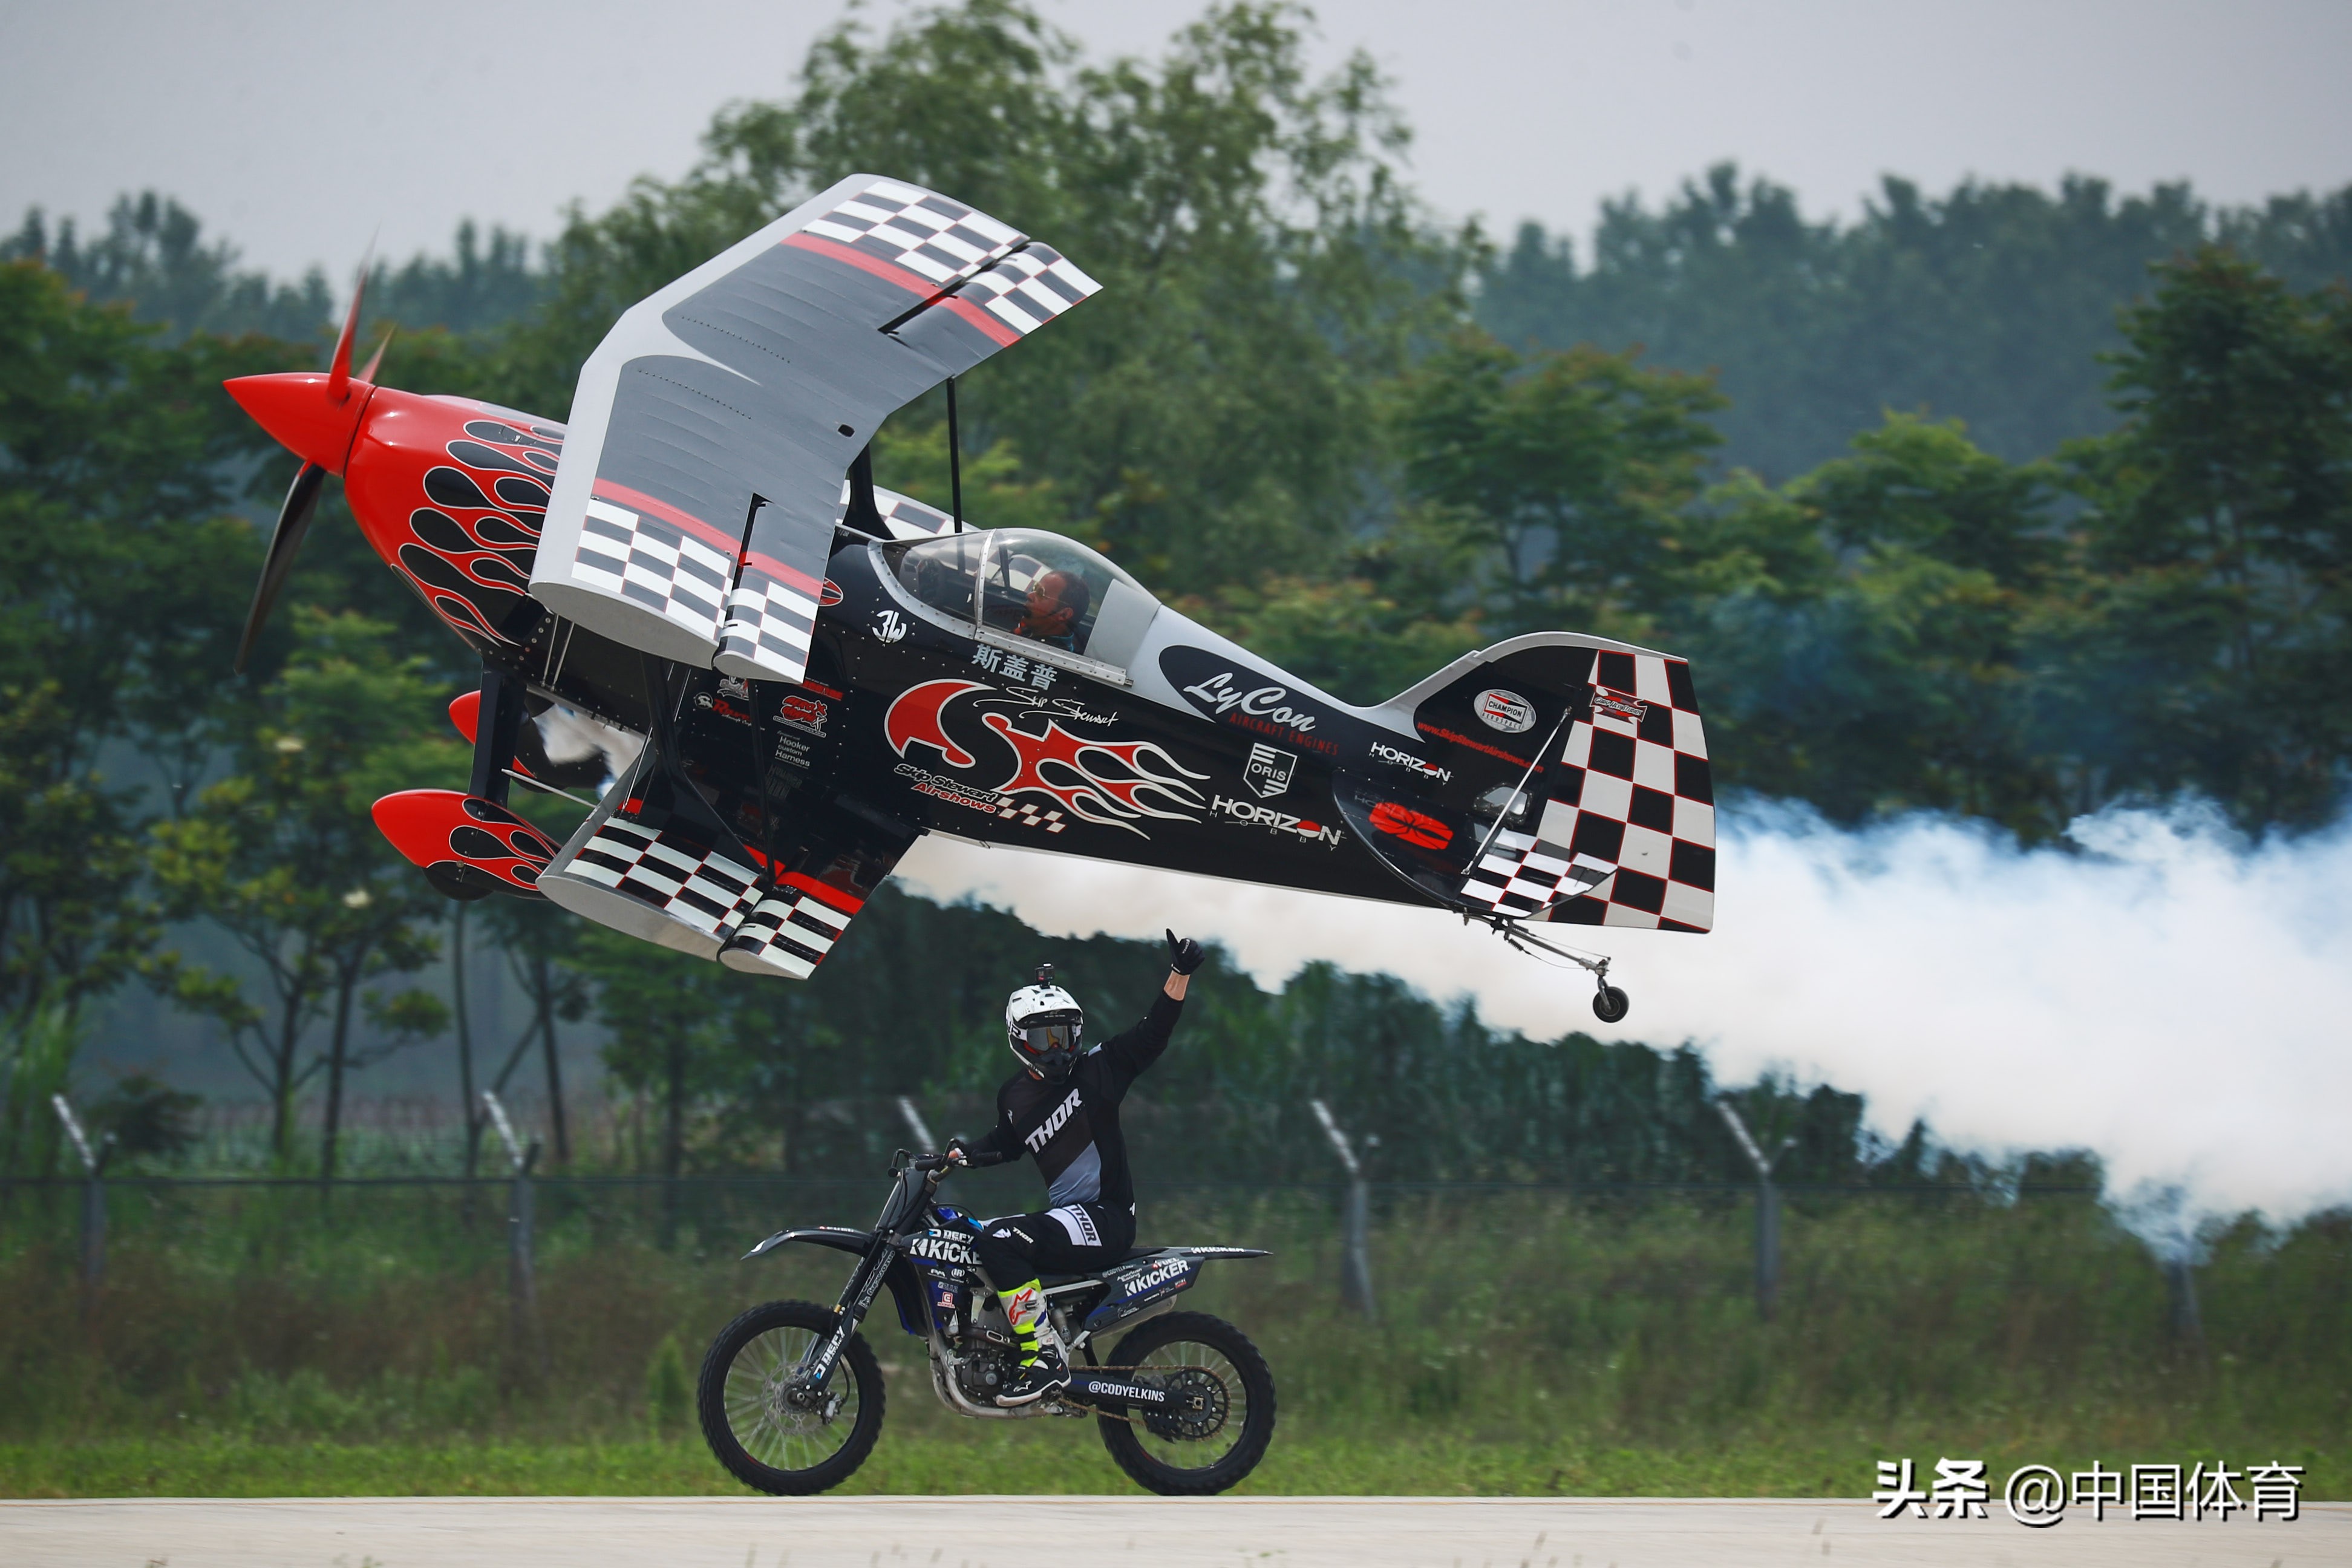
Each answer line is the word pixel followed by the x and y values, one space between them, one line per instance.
pixel 1355 1221
pixel 522 1288
pixel 1767 1211
pixel 921 1131
pixel 93 1201
pixel 2180 1285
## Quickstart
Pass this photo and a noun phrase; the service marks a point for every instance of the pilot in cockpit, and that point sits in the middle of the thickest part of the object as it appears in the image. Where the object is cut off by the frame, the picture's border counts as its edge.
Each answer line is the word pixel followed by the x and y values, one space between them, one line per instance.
pixel 1058 602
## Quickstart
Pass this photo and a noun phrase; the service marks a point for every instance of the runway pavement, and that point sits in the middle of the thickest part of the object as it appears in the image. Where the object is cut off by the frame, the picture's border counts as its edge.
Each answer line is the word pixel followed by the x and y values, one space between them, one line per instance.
pixel 1065 1532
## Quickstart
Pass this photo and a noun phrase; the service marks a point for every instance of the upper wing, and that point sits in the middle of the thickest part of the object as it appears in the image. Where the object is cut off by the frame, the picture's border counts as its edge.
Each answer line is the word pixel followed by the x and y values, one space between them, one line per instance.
pixel 693 507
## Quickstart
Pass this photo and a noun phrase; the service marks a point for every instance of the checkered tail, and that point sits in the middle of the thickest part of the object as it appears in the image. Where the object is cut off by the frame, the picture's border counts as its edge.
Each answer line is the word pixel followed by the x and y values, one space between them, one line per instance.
pixel 1626 836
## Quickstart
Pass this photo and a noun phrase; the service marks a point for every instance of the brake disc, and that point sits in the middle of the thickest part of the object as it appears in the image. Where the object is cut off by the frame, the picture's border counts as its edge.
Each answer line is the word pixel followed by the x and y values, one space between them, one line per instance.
pixel 1196 1409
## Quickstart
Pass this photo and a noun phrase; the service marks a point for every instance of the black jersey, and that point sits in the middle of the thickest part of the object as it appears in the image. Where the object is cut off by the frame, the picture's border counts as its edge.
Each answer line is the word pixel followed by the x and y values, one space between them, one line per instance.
pixel 1071 1127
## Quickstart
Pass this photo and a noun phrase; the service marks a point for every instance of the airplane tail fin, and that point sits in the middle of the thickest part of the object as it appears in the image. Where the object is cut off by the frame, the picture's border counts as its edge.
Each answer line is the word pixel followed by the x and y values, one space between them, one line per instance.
pixel 1558 778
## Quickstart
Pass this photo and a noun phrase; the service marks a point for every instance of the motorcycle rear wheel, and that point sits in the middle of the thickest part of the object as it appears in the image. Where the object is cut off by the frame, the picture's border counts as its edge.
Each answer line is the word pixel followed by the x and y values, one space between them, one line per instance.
pixel 1170 1453
pixel 765 1441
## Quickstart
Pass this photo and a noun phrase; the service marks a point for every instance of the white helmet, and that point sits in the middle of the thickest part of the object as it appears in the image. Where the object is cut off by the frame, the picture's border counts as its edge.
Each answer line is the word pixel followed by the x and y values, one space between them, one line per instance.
pixel 1043 1023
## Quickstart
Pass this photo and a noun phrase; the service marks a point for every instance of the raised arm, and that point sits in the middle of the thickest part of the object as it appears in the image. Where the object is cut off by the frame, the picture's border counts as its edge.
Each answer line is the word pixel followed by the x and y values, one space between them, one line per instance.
pixel 1135 1050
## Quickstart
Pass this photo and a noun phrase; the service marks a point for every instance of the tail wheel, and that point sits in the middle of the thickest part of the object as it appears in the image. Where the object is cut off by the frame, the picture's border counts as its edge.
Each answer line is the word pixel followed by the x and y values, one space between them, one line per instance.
pixel 773 1431
pixel 1609 1004
pixel 1219 1415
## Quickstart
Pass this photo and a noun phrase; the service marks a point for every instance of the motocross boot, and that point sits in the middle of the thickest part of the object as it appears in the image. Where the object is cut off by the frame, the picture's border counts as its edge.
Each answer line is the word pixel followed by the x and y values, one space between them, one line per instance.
pixel 1043 1369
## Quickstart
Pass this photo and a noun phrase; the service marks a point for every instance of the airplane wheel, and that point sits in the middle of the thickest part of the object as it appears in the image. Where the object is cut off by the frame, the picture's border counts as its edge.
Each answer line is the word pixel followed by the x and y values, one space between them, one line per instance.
pixel 1610 1004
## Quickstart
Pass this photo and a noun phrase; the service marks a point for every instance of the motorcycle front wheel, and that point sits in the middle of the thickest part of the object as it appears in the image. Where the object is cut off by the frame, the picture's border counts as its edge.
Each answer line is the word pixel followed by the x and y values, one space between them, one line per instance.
pixel 1219 1415
pixel 771 1434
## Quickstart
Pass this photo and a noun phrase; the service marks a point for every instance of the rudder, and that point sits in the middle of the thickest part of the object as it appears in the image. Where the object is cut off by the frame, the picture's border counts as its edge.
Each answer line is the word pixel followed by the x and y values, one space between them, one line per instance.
pixel 1567 780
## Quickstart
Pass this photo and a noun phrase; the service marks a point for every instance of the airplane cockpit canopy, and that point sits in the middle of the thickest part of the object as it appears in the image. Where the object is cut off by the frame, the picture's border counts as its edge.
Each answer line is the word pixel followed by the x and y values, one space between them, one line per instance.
pixel 1028 584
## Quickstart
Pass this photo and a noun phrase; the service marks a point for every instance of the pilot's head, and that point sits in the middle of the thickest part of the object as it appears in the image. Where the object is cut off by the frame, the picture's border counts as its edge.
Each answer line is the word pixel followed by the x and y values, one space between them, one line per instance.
pixel 1056 600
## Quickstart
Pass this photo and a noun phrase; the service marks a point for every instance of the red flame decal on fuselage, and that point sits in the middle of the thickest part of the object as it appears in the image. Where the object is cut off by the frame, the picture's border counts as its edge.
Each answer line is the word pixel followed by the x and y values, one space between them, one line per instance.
pixel 1118 800
pixel 1149 782
pixel 915 716
pixel 452 494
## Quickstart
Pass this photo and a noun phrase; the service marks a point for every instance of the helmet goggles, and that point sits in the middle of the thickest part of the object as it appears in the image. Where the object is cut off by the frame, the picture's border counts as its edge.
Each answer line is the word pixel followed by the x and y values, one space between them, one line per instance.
pixel 1050 1037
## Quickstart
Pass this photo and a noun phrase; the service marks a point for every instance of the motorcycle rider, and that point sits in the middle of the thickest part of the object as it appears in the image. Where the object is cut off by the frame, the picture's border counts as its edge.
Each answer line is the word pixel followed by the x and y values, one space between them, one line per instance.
pixel 1062 1107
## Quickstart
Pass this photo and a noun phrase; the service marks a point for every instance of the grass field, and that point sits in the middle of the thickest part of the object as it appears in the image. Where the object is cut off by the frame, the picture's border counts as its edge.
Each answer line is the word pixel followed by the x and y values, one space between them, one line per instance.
pixel 1529 1344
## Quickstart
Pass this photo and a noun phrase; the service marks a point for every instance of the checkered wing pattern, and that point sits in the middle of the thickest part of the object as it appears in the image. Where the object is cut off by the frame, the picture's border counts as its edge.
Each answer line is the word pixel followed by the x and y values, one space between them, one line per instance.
pixel 908 518
pixel 726 406
pixel 654 563
pixel 927 234
pixel 788 933
pixel 1029 289
pixel 903 517
pixel 768 625
pixel 1627 833
pixel 689 883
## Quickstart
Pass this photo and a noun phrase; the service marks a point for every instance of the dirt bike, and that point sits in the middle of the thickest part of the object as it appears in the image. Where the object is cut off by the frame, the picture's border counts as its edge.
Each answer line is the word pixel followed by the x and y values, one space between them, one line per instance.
pixel 790 1393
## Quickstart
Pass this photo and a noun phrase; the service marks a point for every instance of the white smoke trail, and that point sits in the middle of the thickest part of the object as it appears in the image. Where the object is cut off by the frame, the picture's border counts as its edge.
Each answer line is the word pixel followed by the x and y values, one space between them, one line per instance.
pixel 2168 996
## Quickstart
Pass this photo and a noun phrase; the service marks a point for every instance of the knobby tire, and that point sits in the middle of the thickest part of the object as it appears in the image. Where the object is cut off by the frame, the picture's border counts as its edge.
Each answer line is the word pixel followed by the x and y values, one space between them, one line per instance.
pixel 1125 1439
pixel 748 1353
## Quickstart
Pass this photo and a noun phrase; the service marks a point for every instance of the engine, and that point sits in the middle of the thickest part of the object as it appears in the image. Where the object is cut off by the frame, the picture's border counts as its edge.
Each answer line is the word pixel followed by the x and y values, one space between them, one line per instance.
pixel 982 1368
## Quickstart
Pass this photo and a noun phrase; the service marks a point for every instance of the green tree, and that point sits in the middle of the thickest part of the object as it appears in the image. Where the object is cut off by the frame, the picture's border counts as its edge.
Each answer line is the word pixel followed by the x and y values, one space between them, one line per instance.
pixel 1208 418
pixel 121 569
pixel 1568 471
pixel 154 259
pixel 539 941
pixel 672 1031
pixel 1990 303
pixel 39 1047
pixel 73 920
pixel 1865 633
pixel 2210 640
pixel 282 856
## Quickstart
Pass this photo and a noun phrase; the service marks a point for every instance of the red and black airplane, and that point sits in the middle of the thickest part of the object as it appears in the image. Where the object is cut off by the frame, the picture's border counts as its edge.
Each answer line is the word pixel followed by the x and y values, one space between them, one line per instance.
pixel 791 674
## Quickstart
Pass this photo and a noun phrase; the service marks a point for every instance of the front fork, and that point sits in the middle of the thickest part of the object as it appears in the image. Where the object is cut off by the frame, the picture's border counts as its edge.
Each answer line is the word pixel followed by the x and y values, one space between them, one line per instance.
pixel 856 1297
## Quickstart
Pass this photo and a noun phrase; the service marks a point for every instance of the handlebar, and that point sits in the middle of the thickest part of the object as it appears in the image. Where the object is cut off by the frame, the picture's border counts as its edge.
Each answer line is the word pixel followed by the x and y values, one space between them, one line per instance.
pixel 907 1159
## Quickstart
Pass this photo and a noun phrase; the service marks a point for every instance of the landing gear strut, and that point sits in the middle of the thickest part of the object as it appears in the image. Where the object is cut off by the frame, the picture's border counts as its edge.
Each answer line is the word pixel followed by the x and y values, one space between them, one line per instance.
pixel 1609 1003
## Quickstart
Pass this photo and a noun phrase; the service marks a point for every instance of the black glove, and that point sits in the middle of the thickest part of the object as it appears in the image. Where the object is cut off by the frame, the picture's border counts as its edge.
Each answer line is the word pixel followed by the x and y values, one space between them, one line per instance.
pixel 956 1153
pixel 1184 954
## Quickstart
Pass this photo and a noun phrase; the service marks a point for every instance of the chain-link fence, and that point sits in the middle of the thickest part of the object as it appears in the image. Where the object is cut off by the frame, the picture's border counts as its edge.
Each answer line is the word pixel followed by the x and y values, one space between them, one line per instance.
pixel 384 1305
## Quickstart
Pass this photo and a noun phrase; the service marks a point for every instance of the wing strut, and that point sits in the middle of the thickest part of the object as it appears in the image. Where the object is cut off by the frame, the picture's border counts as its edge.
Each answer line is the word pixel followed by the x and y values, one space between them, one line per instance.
pixel 955 461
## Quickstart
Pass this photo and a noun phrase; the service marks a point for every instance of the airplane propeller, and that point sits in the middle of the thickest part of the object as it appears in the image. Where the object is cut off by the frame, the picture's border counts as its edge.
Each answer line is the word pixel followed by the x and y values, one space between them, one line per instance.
pixel 301 502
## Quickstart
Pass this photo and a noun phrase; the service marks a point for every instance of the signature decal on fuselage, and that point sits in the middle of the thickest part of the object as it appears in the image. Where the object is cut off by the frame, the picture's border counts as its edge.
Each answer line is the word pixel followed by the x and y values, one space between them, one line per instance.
pixel 1111 784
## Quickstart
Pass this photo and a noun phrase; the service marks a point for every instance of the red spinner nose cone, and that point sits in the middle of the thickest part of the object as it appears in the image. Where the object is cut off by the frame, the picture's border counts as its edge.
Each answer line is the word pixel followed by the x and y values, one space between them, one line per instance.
pixel 294 408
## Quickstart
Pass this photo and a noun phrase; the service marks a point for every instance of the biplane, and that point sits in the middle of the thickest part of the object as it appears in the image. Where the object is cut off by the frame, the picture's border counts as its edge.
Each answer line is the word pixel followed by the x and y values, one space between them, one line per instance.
pixel 779 673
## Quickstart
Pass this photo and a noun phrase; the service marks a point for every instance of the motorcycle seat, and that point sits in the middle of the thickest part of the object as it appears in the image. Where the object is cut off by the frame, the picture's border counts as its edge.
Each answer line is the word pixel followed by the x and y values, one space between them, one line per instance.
pixel 1050 1281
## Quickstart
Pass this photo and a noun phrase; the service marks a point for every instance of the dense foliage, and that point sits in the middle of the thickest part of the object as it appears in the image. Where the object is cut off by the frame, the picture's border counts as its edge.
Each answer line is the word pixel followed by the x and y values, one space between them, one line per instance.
pixel 1991 303
pixel 1316 422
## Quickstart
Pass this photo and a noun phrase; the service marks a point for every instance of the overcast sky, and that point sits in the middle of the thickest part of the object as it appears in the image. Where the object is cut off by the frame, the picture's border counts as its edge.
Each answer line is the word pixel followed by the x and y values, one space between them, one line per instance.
pixel 298 128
